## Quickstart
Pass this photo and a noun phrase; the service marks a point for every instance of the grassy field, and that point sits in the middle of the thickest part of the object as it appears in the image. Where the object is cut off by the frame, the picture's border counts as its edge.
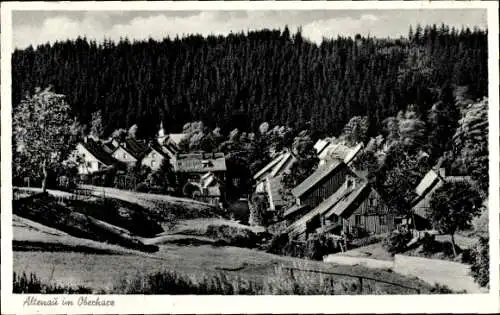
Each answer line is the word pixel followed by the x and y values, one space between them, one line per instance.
pixel 59 258
pixel 189 249
pixel 101 271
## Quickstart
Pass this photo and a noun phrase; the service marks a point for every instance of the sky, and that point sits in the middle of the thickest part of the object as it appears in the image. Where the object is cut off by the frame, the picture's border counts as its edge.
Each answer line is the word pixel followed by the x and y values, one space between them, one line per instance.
pixel 39 27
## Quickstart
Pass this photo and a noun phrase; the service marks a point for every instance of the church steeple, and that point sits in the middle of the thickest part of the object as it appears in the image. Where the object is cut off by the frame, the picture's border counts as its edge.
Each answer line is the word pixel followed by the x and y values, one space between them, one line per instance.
pixel 161 132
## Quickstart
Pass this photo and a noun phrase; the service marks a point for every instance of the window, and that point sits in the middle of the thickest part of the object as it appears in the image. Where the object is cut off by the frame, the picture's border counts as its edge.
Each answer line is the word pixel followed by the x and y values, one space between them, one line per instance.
pixel 124 155
pixel 153 163
pixel 357 219
pixel 153 155
pixel 371 202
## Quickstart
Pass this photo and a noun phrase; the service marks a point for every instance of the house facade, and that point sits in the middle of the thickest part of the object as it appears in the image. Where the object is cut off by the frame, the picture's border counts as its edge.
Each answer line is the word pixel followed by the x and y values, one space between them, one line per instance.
pixel 321 184
pixel 355 207
pixel 192 169
pixel 94 158
pixel 130 151
pixel 154 157
pixel 432 181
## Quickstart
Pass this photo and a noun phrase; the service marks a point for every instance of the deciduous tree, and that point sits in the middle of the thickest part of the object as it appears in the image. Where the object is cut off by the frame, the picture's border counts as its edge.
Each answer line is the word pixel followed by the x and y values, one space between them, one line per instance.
pixel 44 133
pixel 452 208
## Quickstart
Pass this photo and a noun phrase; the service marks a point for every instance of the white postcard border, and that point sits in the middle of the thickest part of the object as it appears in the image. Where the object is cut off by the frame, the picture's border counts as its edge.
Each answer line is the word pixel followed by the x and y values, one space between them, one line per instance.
pixel 130 304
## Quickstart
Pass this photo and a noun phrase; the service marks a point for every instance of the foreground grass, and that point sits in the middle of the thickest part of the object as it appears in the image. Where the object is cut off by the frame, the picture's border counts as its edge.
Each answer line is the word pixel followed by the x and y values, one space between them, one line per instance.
pixel 281 282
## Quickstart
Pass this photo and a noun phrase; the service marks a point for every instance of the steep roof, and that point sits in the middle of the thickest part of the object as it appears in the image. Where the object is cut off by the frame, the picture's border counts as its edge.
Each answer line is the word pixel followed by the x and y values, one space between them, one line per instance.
pixel 353 153
pixel 321 172
pixel 109 147
pixel 320 145
pixel 336 204
pixel 430 179
pixel 428 185
pixel 176 138
pixel 154 146
pixel 135 147
pixel 200 162
pixel 269 166
pixel 283 165
pixel 294 209
pixel 98 152
pixel 348 198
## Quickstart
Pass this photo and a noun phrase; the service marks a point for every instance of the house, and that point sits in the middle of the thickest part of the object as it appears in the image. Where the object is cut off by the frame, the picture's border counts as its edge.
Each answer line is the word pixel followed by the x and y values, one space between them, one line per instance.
pixel 337 150
pixel 277 167
pixel 154 156
pixel 168 143
pixel 94 157
pixel 173 140
pixel 433 180
pixel 130 151
pixel 110 145
pixel 208 189
pixel 321 184
pixel 354 206
pixel 273 192
pixel 191 167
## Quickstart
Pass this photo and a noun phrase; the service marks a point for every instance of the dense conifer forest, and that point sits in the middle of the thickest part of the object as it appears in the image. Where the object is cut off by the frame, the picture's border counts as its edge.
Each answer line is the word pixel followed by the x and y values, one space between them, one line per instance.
pixel 244 79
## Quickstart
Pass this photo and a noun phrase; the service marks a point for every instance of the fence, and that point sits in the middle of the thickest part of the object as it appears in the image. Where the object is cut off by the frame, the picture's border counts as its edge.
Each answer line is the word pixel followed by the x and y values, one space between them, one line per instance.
pixel 360 278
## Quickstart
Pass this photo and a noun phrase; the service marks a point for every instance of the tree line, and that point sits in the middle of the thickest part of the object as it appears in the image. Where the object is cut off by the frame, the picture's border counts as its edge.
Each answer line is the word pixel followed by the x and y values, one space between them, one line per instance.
pixel 243 79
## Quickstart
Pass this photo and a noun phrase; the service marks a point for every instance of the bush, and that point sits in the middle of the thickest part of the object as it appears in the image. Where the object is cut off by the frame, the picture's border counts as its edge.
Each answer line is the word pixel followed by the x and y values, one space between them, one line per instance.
pixel 429 244
pixel 232 235
pixel 365 241
pixel 142 187
pixel 480 268
pixel 282 245
pixel 397 241
pixel 320 245
pixel 314 248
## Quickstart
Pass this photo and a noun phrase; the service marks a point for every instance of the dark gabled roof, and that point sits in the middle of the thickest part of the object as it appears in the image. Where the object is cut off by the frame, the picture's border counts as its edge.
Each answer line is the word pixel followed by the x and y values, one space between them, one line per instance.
pixel 294 209
pixel 200 162
pixel 347 197
pixel 269 166
pixel 322 172
pixel 135 147
pixel 337 204
pixel 155 146
pixel 109 147
pixel 96 149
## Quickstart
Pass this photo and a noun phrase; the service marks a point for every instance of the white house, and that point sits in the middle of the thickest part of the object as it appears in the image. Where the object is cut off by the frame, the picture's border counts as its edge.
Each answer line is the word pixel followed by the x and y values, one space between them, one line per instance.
pixel 130 151
pixel 154 157
pixel 94 158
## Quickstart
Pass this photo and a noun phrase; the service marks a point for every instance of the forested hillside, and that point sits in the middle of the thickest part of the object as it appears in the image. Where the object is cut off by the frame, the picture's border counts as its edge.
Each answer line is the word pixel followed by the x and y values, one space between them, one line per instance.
pixel 244 79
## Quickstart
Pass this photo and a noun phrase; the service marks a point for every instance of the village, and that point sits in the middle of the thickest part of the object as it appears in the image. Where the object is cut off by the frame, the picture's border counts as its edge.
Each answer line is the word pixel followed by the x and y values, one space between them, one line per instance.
pixel 253 162
pixel 336 199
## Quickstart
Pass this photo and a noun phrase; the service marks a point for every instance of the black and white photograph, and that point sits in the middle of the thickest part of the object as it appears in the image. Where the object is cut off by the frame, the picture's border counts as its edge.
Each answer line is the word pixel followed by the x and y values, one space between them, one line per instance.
pixel 250 152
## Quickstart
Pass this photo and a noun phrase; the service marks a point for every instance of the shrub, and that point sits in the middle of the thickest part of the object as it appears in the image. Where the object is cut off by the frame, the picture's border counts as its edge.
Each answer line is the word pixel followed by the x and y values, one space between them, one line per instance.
pixel 365 241
pixel 443 289
pixel 397 241
pixel 429 244
pixel 320 245
pixel 480 268
pixel 233 235
pixel 142 187
pixel 314 248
